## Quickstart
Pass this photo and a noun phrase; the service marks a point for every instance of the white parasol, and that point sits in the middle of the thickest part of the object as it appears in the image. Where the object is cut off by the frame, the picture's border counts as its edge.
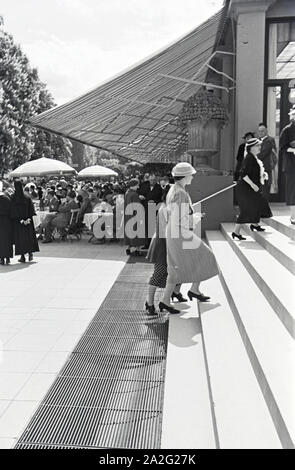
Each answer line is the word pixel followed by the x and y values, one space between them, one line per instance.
pixel 42 167
pixel 96 171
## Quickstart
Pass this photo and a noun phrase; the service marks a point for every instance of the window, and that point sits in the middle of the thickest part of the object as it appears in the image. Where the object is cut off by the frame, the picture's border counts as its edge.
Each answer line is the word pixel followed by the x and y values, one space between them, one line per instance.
pixel 281 51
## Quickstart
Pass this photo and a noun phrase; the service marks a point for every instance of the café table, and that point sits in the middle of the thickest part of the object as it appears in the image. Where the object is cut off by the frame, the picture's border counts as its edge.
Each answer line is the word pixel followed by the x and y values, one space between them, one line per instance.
pixel 40 216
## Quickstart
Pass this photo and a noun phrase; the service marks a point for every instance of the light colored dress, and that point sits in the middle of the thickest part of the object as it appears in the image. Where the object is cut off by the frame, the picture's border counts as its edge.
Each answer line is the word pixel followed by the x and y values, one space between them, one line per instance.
pixel 189 259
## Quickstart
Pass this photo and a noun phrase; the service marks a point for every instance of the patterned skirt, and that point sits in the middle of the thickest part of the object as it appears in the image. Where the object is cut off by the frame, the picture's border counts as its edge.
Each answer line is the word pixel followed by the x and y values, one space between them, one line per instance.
pixel 159 276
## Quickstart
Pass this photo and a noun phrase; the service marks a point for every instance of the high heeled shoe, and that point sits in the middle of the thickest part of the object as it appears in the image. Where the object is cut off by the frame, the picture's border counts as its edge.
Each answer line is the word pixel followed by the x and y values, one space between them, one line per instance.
pixel 179 297
pixel 257 228
pixel 200 297
pixel 150 309
pixel 239 237
pixel 169 309
pixel 30 256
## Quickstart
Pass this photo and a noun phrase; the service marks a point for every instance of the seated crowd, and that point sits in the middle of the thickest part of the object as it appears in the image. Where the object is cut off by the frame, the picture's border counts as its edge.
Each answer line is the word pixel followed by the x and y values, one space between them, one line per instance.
pixel 60 197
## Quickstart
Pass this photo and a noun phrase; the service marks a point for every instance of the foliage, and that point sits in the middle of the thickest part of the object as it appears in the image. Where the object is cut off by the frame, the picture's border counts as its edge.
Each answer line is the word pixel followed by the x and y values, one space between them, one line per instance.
pixel 23 95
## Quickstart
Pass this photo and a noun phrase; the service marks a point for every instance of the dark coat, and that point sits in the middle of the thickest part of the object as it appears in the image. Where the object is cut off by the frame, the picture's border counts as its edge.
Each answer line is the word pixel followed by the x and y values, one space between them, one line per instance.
pixel 267 146
pixel 157 250
pixel 154 194
pixel 132 198
pixel 287 136
pixel 24 236
pixel 239 158
pixel 252 205
pixel 6 245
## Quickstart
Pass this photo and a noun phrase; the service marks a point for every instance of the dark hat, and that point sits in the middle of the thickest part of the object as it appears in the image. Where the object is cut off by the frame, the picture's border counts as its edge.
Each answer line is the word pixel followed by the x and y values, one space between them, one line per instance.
pixel 133 182
pixel 249 133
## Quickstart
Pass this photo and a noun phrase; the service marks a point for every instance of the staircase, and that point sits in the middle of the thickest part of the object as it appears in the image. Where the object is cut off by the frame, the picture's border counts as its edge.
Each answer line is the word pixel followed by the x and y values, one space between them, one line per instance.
pixel 248 336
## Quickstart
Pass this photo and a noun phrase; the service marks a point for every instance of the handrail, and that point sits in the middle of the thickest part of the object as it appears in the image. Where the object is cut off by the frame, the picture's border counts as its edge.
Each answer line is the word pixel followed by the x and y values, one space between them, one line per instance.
pixel 215 194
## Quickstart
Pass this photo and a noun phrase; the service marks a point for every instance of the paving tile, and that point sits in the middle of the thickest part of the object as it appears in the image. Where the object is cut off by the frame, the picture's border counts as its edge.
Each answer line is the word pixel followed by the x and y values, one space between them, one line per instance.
pixel 58 313
pixel 66 343
pixel 6 300
pixel 3 405
pixel 45 326
pixel 30 301
pixel 20 361
pixel 36 387
pixel 11 384
pixel 31 342
pixel 15 418
pixel 72 303
pixel 7 443
pixel 52 362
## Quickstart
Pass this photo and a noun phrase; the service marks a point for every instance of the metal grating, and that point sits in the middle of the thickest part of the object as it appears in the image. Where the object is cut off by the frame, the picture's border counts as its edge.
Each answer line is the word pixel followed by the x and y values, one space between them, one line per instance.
pixel 93 427
pixel 115 367
pixel 109 394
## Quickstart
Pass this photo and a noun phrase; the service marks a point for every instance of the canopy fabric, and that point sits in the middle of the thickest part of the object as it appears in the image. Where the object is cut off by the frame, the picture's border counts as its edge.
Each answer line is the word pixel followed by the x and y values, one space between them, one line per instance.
pixel 135 114
pixel 96 171
pixel 42 167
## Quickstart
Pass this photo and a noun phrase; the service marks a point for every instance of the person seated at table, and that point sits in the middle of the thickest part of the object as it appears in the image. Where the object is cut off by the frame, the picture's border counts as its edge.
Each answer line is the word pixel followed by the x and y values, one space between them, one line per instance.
pixel 85 207
pixel 52 202
pixel 61 220
pixel 93 197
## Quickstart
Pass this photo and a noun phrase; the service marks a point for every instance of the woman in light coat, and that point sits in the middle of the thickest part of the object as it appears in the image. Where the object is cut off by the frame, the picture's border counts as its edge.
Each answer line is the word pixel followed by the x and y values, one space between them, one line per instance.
pixel 189 259
pixel 157 254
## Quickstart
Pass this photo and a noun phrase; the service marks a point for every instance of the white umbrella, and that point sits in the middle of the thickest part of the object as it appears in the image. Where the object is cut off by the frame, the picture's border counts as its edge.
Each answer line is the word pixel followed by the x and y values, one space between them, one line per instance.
pixel 42 167
pixel 96 171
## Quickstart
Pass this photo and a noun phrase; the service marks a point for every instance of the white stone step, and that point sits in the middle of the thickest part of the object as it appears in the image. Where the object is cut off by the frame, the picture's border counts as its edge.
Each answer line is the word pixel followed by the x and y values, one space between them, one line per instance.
pixel 187 410
pixel 277 244
pixel 268 344
pixel 242 417
pixel 282 224
pixel 273 279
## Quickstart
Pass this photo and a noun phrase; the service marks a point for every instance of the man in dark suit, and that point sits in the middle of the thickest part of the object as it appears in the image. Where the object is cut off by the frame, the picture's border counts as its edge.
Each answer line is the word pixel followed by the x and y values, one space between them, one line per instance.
pixel 287 148
pixel 268 146
pixel 150 192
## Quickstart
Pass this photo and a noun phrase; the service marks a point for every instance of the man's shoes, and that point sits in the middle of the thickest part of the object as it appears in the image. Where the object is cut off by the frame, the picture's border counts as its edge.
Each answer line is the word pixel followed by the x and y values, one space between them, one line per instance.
pixel 47 241
pixel 22 259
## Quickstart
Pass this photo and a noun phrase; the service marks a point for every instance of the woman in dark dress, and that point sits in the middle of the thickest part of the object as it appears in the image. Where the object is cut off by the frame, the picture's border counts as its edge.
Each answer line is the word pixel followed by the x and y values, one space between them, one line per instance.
pixel 252 204
pixel 22 211
pixel 6 246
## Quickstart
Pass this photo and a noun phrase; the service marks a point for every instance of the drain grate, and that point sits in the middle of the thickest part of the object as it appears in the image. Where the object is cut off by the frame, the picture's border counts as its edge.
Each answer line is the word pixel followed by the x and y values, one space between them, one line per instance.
pixel 127 330
pixel 105 393
pixel 115 367
pixel 128 316
pixel 94 427
pixel 109 394
pixel 138 348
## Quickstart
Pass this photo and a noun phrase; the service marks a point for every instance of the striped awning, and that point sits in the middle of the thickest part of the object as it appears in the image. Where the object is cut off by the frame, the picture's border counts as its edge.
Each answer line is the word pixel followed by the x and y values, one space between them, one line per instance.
pixel 135 114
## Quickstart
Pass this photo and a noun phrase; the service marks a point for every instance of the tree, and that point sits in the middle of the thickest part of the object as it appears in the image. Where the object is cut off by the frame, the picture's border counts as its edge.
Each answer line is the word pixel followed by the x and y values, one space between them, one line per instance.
pixel 23 95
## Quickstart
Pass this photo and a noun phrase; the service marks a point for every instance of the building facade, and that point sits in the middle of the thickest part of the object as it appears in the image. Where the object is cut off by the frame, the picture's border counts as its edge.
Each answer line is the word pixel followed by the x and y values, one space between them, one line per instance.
pixel 261 34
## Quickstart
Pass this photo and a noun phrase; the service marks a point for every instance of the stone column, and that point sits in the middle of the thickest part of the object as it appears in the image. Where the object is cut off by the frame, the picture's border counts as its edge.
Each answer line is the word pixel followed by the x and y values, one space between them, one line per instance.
pixel 250 54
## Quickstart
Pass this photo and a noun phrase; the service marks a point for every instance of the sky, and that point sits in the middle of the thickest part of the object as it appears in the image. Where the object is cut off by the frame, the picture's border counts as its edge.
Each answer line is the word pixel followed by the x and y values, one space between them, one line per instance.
pixel 77 44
